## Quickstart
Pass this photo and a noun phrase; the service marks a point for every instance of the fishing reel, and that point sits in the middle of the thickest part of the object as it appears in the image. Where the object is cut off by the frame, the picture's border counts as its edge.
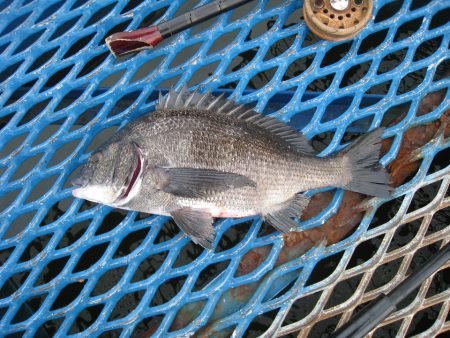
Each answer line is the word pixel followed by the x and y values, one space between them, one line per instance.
pixel 337 20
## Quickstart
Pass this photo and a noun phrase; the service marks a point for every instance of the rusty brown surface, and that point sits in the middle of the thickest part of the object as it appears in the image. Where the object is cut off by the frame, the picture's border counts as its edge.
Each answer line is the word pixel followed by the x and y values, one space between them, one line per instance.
pixel 186 315
pixel 413 139
pixel 242 293
pixel 252 259
pixel 348 216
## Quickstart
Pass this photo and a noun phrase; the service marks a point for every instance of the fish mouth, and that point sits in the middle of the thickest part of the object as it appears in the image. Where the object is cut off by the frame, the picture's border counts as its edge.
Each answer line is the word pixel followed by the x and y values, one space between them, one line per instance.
pixel 134 180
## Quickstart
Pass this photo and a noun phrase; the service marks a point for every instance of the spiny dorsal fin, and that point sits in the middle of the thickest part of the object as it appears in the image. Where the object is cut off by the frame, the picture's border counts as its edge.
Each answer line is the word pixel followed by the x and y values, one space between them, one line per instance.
pixel 220 104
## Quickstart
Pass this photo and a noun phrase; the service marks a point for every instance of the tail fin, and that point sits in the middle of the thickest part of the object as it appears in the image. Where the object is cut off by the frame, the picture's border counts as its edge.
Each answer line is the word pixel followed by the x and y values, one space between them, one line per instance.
pixel 367 175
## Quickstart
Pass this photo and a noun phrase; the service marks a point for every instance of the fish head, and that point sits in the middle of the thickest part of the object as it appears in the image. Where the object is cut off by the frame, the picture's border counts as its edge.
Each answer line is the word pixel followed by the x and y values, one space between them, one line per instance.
pixel 112 174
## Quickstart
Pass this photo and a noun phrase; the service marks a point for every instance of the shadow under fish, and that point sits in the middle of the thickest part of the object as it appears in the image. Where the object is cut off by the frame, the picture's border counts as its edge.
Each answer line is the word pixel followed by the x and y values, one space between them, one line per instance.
pixel 199 156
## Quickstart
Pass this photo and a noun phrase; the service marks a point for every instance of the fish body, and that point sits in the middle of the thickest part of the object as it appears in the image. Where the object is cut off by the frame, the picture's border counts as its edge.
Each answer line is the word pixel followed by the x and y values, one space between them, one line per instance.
pixel 198 157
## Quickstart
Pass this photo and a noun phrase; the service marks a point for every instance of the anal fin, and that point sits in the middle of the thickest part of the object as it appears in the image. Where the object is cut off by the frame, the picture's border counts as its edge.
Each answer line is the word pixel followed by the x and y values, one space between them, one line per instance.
pixel 197 224
pixel 281 219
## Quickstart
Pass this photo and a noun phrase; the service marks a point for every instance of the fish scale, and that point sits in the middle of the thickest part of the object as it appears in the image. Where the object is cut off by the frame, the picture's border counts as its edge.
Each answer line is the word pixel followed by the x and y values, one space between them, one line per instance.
pixel 199 156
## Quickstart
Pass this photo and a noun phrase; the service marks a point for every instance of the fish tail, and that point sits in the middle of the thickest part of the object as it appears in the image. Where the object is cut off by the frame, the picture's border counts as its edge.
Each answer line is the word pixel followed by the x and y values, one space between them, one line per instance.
pixel 367 175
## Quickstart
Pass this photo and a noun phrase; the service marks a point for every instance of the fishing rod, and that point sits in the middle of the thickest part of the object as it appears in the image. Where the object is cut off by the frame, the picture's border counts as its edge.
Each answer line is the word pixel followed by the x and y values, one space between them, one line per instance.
pixel 144 38
pixel 370 316
pixel 332 20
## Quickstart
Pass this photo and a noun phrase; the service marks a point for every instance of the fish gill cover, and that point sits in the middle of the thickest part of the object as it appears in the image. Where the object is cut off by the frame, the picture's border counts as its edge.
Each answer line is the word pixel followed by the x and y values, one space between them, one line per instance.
pixel 72 267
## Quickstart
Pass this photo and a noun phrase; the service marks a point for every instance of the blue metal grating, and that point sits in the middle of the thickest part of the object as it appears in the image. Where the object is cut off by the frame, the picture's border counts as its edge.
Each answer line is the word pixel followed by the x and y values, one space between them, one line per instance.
pixel 70 267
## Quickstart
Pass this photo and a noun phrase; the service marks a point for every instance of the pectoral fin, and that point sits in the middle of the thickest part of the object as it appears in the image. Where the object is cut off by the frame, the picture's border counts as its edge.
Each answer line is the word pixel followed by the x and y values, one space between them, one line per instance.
pixel 281 219
pixel 190 182
pixel 197 224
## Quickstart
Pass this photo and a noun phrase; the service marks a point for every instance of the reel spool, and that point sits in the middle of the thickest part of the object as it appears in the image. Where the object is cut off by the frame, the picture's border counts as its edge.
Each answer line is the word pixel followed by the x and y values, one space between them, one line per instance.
pixel 337 20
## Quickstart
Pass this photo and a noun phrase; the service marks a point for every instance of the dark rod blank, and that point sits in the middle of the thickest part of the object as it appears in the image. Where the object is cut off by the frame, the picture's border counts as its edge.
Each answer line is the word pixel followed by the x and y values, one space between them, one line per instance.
pixel 198 15
pixel 370 316
pixel 144 38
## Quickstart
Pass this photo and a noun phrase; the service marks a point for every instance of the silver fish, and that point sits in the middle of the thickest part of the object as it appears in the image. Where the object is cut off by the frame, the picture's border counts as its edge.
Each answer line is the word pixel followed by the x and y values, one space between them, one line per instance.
pixel 199 156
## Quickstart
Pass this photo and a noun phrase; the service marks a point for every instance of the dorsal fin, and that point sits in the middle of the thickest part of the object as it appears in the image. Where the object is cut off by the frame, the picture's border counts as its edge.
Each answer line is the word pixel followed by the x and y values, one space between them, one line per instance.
pixel 220 104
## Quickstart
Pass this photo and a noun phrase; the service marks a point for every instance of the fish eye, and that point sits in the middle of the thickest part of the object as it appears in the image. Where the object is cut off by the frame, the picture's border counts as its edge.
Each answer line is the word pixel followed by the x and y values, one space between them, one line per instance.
pixel 96 157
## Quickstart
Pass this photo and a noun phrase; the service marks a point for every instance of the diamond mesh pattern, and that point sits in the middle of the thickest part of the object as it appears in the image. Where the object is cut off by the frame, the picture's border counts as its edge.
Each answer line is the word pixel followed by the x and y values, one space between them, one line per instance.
pixel 71 267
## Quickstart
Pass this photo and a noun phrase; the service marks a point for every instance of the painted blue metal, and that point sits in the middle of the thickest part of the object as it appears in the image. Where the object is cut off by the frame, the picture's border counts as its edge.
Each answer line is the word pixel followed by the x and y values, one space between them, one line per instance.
pixel 31 29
